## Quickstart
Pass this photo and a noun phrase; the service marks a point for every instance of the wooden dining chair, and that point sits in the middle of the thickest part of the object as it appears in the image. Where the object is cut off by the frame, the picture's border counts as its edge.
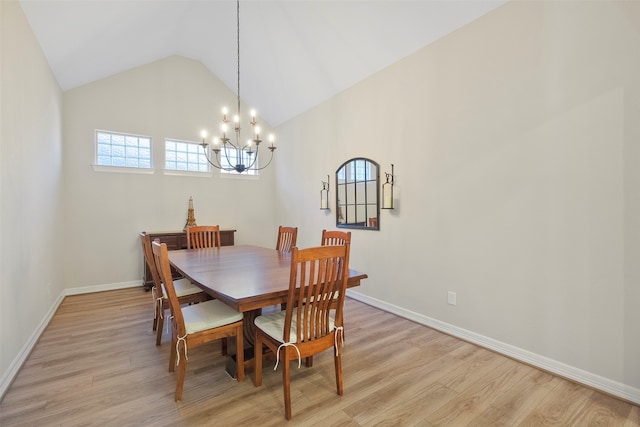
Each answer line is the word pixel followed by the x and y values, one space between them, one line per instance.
pixel 287 237
pixel 187 292
pixel 309 325
pixel 196 324
pixel 335 237
pixel 203 236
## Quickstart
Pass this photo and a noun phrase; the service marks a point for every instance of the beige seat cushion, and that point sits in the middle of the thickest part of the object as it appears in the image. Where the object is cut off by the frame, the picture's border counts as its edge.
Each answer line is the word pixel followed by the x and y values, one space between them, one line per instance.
pixel 183 287
pixel 273 325
pixel 208 315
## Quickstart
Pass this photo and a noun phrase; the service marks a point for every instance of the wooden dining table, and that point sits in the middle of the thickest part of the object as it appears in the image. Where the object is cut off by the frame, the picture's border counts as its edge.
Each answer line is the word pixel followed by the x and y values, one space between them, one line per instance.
pixel 247 278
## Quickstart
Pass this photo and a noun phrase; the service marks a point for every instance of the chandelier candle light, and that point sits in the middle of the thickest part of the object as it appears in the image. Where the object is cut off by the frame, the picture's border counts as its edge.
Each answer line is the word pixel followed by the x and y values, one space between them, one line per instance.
pixel 238 157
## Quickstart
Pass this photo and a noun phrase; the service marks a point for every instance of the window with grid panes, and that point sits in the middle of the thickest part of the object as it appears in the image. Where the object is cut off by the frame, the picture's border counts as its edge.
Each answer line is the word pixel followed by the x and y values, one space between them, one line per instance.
pixel 123 150
pixel 186 156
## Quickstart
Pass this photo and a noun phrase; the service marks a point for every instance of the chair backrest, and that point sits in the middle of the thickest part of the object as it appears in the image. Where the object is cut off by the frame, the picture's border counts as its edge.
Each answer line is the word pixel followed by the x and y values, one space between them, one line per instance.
pixel 145 239
pixel 287 237
pixel 161 259
pixel 373 221
pixel 203 236
pixel 318 276
pixel 335 238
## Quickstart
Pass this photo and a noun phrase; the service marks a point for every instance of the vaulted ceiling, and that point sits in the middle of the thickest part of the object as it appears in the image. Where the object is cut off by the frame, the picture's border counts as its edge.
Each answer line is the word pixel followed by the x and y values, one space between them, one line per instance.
pixel 294 54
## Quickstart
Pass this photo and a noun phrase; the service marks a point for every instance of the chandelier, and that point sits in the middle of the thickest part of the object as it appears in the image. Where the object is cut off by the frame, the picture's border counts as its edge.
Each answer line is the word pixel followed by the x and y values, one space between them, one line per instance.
pixel 237 156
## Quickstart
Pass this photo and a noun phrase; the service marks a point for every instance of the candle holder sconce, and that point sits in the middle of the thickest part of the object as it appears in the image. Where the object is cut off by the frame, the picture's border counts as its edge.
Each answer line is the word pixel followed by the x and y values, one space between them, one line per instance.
pixel 324 195
pixel 387 191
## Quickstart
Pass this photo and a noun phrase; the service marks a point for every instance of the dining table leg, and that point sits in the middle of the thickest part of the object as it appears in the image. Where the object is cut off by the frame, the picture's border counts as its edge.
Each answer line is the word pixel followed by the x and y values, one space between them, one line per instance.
pixel 249 331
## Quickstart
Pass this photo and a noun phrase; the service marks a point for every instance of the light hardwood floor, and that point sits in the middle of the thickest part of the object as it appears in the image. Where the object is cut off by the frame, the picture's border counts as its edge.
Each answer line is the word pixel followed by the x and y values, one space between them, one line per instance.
pixel 97 364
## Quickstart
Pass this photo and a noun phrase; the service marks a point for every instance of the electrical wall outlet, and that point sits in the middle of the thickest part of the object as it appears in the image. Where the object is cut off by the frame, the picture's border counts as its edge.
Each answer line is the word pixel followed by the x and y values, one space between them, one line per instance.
pixel 451 298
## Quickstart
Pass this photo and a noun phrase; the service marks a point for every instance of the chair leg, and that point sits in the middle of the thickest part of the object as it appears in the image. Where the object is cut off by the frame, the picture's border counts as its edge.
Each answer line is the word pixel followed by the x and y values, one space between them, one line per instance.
pixel 155 308
pixel 239 353
pixel 223 346
pixel 308 361
pixel 257 359
pixel 338 366
pixel 286 383
pixel 172 355
pixel 160 327
pixel 182 370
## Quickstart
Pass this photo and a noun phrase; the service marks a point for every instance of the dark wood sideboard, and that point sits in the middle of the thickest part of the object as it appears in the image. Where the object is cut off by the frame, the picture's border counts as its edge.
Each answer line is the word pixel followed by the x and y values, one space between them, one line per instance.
pixel 178 240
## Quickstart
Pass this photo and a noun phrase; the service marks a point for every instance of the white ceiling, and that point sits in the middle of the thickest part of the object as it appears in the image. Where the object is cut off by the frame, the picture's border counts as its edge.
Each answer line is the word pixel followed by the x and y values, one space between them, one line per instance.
pixel 294 54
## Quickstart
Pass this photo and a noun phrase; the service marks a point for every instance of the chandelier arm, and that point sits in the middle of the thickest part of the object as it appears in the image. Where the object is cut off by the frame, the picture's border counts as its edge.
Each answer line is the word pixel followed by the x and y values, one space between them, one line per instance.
pixel 218 165
pixel 269 162
pixel 226 155
pixel 205 148
pixel 255 157
pixel 232 144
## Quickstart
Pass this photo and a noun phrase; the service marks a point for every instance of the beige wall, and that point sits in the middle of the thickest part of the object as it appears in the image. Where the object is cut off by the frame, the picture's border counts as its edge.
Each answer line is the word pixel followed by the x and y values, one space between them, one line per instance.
pixel 515 145
pixel 30 187
pixel 172 98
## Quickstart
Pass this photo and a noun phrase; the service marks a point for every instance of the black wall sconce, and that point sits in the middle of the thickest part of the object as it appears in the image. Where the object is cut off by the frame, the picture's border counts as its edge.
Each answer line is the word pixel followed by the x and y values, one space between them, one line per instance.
pixel 324 195
pixel 387 191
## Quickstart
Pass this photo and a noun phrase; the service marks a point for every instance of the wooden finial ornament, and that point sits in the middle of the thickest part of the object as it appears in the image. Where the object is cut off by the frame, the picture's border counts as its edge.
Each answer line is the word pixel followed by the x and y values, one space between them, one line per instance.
pixel 191 219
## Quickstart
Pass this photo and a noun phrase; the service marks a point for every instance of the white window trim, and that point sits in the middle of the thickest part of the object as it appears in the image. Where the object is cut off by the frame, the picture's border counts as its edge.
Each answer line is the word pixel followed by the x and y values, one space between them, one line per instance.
pixel 171 172
pixel 121 169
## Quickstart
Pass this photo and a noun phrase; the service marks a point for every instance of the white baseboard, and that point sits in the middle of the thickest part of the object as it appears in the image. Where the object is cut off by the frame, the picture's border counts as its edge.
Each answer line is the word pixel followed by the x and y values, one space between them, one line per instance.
pixel 16 364
pixel 614 388
pixel 101 288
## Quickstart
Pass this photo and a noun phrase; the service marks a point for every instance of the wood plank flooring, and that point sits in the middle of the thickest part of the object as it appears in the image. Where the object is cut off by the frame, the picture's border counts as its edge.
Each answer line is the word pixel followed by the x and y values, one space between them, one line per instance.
pixel 97 364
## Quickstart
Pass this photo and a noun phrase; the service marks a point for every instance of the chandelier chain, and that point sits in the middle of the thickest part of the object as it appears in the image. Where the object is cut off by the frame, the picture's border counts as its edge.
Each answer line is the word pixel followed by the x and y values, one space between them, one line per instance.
pixel 243 154
pixel 238 44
